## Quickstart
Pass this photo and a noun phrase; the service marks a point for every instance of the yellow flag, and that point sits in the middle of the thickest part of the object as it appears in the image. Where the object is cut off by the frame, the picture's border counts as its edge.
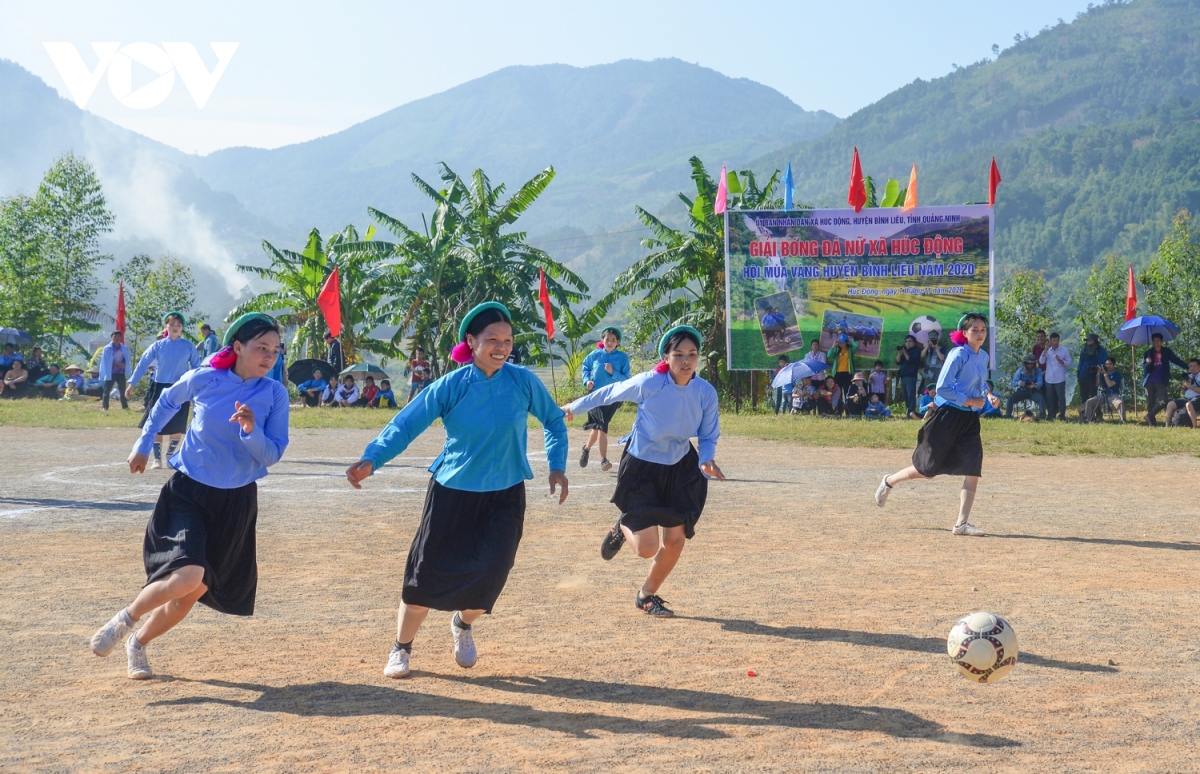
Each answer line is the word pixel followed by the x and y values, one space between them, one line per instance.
pixel 910 198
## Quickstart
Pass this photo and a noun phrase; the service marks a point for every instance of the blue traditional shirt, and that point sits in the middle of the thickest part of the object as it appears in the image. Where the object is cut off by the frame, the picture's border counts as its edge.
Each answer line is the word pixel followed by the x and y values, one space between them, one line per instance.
pixel 171 359
pixel 313 384
pixel 208 346
pixel 594 370
pixel 215 451
pixel 485 419
pixel 964 375
pixel 669 415
pixel 276 372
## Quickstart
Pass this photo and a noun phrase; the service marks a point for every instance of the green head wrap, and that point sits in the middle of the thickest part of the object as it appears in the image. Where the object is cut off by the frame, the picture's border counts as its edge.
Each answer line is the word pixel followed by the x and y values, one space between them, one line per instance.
pixel 471 315
pixel 237 324
pixel 169 315
pixel 662 344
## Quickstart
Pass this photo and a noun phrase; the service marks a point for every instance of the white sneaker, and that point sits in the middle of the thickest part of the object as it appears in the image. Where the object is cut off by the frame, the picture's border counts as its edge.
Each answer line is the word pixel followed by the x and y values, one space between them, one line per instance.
pixel 155 463
pixel 139 662
pixel 109 635
pixel 397 665
pixel 967 528
pixel 464 645
pixel 881 494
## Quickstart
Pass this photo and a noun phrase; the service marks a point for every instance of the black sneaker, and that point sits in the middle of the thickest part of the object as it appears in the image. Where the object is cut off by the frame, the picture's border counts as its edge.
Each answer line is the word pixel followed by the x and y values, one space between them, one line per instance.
pixel 654 605
pixel 583 457
pixel 612 541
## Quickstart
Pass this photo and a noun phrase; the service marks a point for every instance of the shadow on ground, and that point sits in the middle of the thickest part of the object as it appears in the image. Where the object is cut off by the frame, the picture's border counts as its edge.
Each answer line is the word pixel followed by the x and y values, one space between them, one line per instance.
pixel 1183 545
pixel 877 640
pixel 333 699
pixel 75 505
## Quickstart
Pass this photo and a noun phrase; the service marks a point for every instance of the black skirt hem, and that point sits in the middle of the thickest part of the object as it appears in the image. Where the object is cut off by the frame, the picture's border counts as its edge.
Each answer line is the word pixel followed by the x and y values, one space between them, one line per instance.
pixel 948 444
pixel 599 417
pixel 177 424
pixel 651 494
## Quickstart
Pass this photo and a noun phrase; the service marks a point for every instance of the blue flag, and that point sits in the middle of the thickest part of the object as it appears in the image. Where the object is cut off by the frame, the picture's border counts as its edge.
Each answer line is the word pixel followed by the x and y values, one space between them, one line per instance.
pixel 789 187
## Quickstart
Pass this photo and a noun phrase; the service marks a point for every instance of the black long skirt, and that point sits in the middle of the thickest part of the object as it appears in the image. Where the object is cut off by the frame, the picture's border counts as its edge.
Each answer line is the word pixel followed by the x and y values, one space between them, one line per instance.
pixel 948 444
pixel 651 494
pixel 465 547
pixel 197 524
pixel 599 417
pixel 178 423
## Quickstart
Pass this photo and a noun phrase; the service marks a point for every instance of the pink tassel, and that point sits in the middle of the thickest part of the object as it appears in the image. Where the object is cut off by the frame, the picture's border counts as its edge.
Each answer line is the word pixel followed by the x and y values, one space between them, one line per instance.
pixel 959 338
pixel 462 353
pixel 224 360
pixel 599 345
pixel 662 368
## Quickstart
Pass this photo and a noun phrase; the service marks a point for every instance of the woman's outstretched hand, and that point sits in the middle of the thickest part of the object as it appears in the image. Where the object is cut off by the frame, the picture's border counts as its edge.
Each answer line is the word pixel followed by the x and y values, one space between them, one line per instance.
pixel 558 478
pixel 137 462
pixel 359 471
pixel 567 410
pixel 711 470
pixel 244 416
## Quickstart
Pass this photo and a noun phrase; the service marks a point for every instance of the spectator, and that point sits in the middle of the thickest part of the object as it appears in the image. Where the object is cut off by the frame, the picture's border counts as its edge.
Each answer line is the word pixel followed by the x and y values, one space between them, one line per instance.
pixel 209 344
pixel 876 408
pixel 6 360
pixel 829 399
pixel 47 386
pixel 1057 360
pixel 334 358
pixel 369 392
pixel 346 395
pixel 927 405
pixel 990 411
pixel 841 361
pixel 1108 389
pixel 783 395
pixel 877 380
pixel 278 371
pixel 16 380
pixel 419 369
pixel 856 396
pixel 804 397
pixel 330 394
pixel 311 390
pixel 1091 362
pixel 114 362
pixel 74 376
pixel 1026 385
pixel 933 357
pixel 815 355
pixel 35 364
pixel 908 357
pixel 93 385
pixel 1156 367
pixel 385 396
pixel 1038 348
pixel 1182 412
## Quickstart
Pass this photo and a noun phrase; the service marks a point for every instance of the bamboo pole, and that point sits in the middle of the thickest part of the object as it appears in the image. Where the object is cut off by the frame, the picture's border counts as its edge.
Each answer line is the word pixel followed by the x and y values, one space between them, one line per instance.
pixel 553 381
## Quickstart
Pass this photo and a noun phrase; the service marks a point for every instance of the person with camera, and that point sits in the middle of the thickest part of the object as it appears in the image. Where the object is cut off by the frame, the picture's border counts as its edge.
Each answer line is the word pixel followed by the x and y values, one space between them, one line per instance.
pixel 1056 359
pixel 908 357
pixel 1107 390
pixel 1156 367
pixel 1027 386
pixel 933 357
pixel 1091 362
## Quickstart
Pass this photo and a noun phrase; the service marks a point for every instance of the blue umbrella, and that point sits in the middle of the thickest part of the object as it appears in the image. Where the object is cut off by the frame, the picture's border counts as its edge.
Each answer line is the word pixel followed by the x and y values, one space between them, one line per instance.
pixel 14 336
pixel 1138 331
pixel 794 372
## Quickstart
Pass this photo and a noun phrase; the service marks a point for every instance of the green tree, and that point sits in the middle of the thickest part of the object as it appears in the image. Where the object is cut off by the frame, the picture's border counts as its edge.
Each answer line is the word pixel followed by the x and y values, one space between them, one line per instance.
pixel 153 288
pixel 299 277
pixel 683 278
pixel 1172 282
pixel 73 214
pixel 364 281
pixel 25 298
pixel 1101 304
pixel 1022 309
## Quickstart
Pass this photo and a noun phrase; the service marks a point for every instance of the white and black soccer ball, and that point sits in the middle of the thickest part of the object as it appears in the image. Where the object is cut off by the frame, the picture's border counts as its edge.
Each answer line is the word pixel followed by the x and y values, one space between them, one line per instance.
pixel 923 326
pixel 983 646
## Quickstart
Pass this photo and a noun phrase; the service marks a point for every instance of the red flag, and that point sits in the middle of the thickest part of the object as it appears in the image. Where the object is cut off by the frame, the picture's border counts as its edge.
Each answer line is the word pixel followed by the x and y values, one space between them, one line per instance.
pixel 858 190
pixel 1130 297
pixel 329 301
pixel 722 193
pixel 544 297
pixel 121 309
pixel 993 182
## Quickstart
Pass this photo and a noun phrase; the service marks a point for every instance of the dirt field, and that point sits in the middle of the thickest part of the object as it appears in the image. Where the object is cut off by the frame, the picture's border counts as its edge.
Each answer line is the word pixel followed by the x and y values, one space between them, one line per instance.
pixel 841 609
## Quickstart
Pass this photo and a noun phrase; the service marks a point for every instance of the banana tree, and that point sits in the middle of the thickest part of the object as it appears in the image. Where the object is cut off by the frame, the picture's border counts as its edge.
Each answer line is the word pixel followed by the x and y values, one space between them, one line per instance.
pixel 299 277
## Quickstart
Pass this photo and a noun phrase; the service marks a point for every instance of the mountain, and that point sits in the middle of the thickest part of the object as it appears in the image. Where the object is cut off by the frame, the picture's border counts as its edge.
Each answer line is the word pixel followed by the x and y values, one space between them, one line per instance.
pixel 1093 125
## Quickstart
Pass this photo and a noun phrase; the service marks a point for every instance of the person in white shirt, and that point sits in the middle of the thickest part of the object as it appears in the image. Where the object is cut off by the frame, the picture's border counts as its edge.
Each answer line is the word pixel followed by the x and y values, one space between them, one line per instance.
pixel 346 394
pixel 1056 360
pixel 1191 397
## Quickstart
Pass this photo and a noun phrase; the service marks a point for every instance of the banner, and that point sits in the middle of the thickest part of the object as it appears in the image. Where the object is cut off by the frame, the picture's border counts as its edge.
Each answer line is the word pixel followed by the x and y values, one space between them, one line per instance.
pixel 794 277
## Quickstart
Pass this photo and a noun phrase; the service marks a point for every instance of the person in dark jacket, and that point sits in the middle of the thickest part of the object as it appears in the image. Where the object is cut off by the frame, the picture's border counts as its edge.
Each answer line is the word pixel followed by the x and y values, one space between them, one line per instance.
pixel 908 357
pixel 1156 367
pixel 1091 362
pixel 335 357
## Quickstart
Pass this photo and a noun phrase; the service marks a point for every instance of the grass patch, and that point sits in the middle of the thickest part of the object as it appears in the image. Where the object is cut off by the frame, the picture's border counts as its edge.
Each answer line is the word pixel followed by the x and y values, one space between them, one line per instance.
pixel 1044 438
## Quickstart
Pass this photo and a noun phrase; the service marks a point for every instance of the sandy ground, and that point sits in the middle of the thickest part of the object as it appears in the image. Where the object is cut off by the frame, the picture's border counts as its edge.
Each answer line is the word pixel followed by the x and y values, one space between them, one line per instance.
pixel 840 608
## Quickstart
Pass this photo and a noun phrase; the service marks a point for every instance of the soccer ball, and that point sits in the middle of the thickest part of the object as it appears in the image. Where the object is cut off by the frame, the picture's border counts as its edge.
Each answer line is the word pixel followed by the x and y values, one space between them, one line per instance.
pixel 923 326
pixel 983 646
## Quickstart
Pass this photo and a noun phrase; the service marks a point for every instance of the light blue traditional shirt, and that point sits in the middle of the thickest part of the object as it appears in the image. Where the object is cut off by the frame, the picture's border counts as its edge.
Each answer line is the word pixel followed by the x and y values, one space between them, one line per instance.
pixel 215 451
pixel 485 419
pixel 208 346
pixel 668 416
pixel 276 372
pixel 106 360
pixel 171 360
pixel 594 370
pixel 964 375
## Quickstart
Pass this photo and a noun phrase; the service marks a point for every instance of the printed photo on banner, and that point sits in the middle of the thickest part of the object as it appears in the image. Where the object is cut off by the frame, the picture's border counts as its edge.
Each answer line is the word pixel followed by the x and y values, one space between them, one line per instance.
pixel 797 276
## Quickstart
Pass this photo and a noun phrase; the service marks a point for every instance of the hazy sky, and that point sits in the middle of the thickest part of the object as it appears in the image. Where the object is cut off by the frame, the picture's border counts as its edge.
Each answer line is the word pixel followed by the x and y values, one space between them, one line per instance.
pixel 303 69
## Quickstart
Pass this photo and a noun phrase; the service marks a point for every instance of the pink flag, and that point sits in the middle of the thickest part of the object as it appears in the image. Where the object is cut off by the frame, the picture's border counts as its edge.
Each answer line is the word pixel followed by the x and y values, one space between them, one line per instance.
pixel 722 194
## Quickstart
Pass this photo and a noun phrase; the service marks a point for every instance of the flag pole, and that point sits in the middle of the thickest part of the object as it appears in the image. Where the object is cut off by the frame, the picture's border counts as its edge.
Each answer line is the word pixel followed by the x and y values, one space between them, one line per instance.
pixel 553 381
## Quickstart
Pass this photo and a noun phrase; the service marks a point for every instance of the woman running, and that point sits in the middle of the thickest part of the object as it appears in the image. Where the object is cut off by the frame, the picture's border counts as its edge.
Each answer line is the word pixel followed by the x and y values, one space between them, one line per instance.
pixel 662 481
pixel 948 442
pixel 604 366
pixel 171 357
pixel 474 509
pixel 200 542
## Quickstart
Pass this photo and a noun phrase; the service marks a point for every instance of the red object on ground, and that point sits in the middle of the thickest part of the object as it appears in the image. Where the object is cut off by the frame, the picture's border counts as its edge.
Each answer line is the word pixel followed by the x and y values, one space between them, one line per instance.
pixel 121 308
pixel 1130 297
pixel 858 190
pixel 329 301
pixel 993 182
pixel 751 673
pixel 544 297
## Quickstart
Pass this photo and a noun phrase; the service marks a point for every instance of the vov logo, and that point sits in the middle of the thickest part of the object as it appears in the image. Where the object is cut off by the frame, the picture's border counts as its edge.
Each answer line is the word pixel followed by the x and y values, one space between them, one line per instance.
pixel 164 60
